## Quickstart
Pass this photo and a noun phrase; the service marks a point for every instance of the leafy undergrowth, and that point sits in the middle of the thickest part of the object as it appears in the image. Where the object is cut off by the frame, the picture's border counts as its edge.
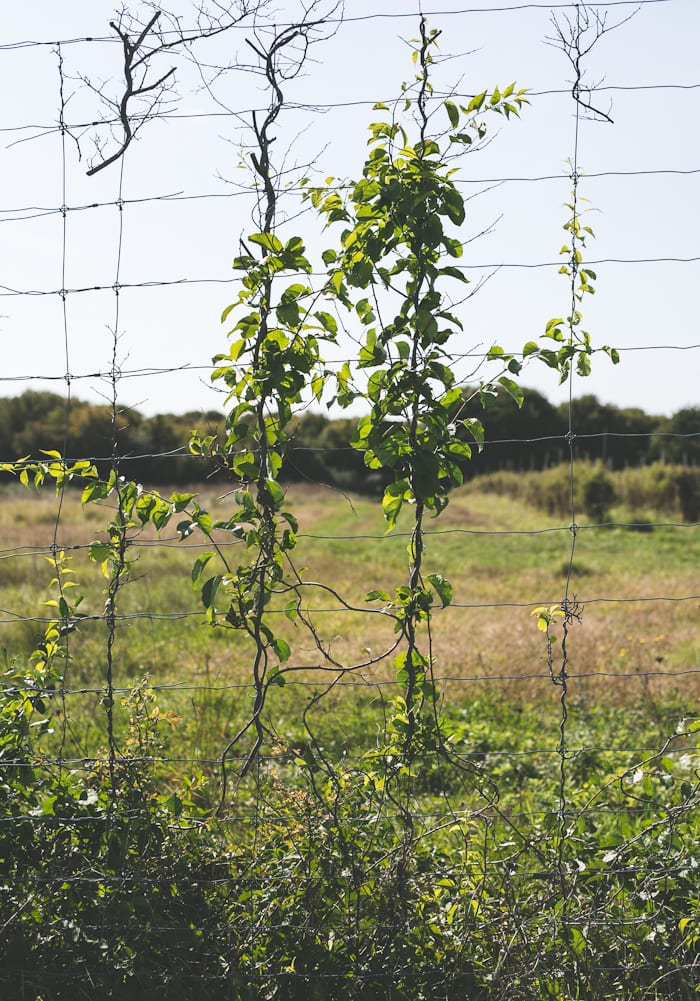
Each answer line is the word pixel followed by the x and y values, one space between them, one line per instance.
pixel 494 863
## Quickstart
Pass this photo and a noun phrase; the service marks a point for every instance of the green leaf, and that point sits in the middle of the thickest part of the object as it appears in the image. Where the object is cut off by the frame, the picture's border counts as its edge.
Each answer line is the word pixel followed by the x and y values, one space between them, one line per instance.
pixel 442 587
pixel 454 206
pixel 578 941
pixel 327 321
pixel 583 364
pixel 452 113
pixel 180 501
pixel 198 567
pixel 275 491
pixel 282 649
pixel 99 552
pixel 288 313
pixel 364 310
pixel 173 804
pixel 209 591
pixel 393 499
pixel 99 490
pixel 245 466
pixel 291 520
pixel 459 450
pixel 268 241
pixel 376 595
pixel 476 429
pixel 513 389
pixel 452 272
pixel 487 395
pixel 161 515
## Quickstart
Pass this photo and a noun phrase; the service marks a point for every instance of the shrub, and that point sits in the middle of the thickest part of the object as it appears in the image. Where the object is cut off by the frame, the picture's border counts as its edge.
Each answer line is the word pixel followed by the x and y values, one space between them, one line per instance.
pixel 650 488
pixel 688 487
pixel 107 890
pixel 597 492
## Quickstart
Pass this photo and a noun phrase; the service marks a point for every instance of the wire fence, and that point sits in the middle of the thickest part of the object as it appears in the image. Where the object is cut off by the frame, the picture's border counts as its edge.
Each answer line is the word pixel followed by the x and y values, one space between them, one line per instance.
pixel 178 820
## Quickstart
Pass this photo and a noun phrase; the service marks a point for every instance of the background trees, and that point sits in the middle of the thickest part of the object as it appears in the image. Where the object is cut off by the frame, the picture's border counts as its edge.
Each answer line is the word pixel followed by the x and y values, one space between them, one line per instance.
pixel 154 449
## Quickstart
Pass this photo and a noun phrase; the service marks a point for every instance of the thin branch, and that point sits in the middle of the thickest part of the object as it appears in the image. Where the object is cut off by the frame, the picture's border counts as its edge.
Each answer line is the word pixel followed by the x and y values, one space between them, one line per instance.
pixel 576 39
pixel 141 47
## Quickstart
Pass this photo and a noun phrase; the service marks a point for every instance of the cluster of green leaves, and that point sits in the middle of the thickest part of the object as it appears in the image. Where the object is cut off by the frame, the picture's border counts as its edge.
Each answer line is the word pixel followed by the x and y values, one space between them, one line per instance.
pixel 274 356
pixel 84 877
pixel 394 268
pixel 400 236
pixel 53 469
pixel 575 342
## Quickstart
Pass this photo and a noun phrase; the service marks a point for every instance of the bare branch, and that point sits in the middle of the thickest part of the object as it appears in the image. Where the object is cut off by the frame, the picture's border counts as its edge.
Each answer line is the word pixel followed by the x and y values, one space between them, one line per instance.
pixel 142 44
pixel 576 37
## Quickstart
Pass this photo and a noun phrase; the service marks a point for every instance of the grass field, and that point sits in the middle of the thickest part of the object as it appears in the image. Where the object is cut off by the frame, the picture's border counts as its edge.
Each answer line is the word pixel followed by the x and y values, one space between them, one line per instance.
pixel 543 848
pixel 637 642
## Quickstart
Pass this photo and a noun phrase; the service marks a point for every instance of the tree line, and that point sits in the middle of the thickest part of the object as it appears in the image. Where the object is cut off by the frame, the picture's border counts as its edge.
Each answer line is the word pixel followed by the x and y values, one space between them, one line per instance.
pixel 155 450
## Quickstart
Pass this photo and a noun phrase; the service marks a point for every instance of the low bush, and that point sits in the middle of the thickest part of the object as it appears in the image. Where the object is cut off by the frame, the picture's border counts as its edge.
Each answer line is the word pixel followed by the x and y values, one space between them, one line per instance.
pixel 350 880
pixel 657 490
pixel 688 488
pixel 651 488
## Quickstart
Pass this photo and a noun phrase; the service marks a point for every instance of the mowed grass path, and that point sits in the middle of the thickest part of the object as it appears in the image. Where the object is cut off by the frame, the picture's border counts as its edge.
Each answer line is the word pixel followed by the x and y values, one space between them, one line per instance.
pixel 637 637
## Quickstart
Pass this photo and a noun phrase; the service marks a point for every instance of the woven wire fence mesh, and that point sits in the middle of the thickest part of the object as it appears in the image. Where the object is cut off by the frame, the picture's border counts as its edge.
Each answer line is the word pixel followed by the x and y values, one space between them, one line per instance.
pixel 164 832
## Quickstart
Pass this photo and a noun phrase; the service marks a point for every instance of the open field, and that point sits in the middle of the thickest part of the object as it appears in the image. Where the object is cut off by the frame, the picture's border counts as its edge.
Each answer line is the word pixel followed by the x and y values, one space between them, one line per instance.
pixel 534 842
pixel 637 640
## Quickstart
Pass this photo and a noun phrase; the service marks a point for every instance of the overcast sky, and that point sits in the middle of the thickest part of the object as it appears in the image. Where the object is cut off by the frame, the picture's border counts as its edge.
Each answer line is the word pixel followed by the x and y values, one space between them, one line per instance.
pixel 645 207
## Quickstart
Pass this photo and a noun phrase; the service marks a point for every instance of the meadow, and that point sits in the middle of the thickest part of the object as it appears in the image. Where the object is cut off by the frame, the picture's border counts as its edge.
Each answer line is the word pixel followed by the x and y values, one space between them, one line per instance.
pixel 637 639
pixel 541 843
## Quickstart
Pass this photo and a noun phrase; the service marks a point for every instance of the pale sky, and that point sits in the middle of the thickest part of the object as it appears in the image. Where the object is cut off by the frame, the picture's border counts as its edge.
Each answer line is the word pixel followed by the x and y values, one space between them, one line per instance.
pixel 645 207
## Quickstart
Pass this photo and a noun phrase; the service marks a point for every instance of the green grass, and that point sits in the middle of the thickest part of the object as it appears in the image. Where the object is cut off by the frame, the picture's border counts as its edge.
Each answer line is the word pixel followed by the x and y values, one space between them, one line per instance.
pixel 502 557
pixel 541 797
